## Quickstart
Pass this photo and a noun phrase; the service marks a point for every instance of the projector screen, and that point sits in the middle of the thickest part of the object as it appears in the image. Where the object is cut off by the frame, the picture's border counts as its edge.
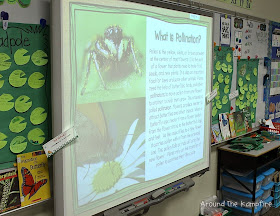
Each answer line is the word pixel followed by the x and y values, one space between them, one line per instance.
pixel 134 79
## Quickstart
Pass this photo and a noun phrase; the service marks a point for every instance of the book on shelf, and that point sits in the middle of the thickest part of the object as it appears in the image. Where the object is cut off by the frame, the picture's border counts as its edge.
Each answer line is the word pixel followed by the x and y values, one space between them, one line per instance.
pixel 231 125
pixel 34 182
pixel 9 190
pixel 239 124
pixel 224 126
pixel 247 119
pixel 217 133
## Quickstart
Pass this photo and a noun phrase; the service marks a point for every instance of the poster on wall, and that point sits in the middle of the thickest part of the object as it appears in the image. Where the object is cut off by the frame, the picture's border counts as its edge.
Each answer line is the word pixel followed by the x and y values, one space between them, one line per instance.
pixel 225 30
pixel 24 90
pixel 275 40
pixel 247 4
pixel 247 85
pixel 222 77
pixel 274 108
pixel 275 78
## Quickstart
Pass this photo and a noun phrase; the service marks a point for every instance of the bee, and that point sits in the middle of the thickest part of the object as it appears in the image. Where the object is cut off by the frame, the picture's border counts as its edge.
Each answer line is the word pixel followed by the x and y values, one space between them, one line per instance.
pixel 113 56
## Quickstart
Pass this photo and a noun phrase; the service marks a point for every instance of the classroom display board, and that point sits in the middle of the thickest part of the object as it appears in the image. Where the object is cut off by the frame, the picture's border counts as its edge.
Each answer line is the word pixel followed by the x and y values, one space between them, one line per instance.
pixel 135 88
pixel 24 89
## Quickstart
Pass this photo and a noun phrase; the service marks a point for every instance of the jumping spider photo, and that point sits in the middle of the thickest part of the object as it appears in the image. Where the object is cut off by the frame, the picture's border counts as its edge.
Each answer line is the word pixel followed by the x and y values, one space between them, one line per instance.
pixel 113 57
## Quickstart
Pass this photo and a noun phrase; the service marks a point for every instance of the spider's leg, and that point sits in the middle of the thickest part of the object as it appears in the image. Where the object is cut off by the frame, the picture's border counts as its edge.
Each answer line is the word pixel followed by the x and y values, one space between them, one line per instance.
pixel 87 72
pixel 98 68
pixel 134 57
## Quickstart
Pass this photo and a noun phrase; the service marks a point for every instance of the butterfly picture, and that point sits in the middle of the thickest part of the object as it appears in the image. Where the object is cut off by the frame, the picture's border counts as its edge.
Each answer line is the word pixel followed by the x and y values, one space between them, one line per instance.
pixel 29 186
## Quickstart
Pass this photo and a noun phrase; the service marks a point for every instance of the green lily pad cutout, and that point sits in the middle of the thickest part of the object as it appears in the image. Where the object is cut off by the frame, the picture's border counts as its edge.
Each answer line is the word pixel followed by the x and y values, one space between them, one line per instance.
pixel 218 95
pixel 216 86
pixel 20 58
pixel 242 71
pixel 17 79
pixel 240 82
pixel 242 91
pixel 213 104
pixel 38 116
pixel 12 1
pixel 39 58
pixel 248 77
pixel 218 66
pixel 252 115
pixel 18 144
pixel 241 97
pixel 227 79
pixel 36 136
pixel 35 80
pixel 214 75
pixel 255 72
pixel 229 69
pixel 255 88
pixel 224 67
pixel 23 104
pixel 241 105
pixel 218 104
pixel 226 89
pixel 3 142
pixel 245 87
pixel 248 102
pixel 4 65
pixel 225 99
pixel 237 102
pixel 1 81
pixel 221 78
pixel 255 104
pixel 228 58
pixel 250 87
pixel 5 102
pixel 17 125
pixel 214 111
pixel 252 98
pixel 248 95
pixel 24 3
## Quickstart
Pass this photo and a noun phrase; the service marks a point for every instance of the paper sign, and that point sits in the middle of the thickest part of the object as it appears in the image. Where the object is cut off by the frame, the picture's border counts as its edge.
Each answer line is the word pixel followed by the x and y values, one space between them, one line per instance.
pixel 212 95
pixel 225 31
pixel 233 95
pixel 60 141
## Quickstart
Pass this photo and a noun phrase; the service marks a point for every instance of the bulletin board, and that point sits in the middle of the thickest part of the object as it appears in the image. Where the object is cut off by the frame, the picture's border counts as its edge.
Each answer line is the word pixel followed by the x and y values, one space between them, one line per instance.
pixel 249 44
pixel 25 108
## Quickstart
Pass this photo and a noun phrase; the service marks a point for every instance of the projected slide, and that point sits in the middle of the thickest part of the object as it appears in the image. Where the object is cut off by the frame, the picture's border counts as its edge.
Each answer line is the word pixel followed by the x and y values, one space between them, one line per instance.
pixel 139 87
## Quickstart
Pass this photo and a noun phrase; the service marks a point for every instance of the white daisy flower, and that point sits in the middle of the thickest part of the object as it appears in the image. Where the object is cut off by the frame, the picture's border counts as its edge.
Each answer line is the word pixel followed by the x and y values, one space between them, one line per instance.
pixel 102 179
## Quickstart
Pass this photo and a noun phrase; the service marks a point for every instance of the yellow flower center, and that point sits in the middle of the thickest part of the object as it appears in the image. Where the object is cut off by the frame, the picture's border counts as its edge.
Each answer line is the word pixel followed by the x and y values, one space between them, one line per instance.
pixel 107 176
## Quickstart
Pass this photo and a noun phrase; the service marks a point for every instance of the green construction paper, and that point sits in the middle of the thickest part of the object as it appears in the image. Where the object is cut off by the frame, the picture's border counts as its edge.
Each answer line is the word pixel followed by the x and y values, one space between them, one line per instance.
pixel 237 102
pixel 221 78
pixel 18 144
pixel 223 68
pixel 17 78
pixel 39 58
pixel 240 82
pixel 1 81
pixel 23 104
pixel 24 99
pixel 226 89
pixel 36 80
pixel 12 1
pixel 4 63
pixel 227 79
pixel 218 66
pixel 229 68
pixel 36 136
pixel 38 116
pixel 5 102
pixel 225 99
pixel 24 3
pixel 256 95
pixel 255 72
pixel 17 124
pixel 228 58
pixel 241 97
pixel 3 142
pixel 248 72
pixel 242 91
pixel 20 57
